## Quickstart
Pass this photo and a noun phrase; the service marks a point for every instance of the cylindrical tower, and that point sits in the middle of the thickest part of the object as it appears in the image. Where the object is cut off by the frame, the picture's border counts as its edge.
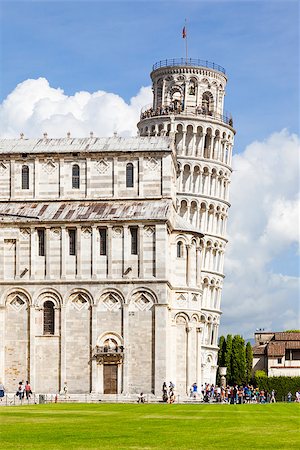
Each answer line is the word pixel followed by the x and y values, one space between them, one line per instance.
pixel 188 102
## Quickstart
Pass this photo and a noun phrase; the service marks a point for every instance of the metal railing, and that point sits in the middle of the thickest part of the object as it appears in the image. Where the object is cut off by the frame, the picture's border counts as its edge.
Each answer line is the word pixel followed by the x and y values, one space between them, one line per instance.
pixel 166 111
pixel 188 62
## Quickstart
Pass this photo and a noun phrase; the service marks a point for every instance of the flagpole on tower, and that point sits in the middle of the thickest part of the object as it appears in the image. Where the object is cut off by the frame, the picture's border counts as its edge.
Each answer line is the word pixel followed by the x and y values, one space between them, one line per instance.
pixel 184 35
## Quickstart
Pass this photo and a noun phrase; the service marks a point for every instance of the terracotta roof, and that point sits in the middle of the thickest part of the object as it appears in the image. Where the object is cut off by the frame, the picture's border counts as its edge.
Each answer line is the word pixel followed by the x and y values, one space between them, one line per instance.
pixel 284 336
pixel 71 145
pixel 85 210
pixel 276 349
pixel 259 349
pixel 292 344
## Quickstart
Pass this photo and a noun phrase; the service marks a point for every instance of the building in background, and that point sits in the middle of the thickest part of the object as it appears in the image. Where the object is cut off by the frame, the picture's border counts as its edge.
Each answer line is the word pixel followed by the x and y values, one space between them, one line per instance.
pixel 112 249
pixel 278 354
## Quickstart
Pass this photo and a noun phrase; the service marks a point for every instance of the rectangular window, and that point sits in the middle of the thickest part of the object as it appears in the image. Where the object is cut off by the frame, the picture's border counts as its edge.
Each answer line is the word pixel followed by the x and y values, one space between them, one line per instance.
pixel 41 238
pixel 134 240
pixel 295 355
pixel 279 360
pixel 287 355
pixel 102 232
pixel 72 242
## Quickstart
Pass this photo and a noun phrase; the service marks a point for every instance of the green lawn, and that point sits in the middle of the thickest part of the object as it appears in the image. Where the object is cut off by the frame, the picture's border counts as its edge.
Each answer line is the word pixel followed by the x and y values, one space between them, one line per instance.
pixel 123 426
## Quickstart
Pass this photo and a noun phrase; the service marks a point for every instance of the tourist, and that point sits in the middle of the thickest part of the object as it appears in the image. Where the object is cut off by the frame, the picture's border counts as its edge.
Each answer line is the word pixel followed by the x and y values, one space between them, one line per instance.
pixel 171 396
pixel 297 395
pixel 289 397
pixel 20 391
pixel 28 391
pixel 194 390
pixel 2 391
pixel 273 394
pixel 164 392
pixel 65 389
pixel 141 398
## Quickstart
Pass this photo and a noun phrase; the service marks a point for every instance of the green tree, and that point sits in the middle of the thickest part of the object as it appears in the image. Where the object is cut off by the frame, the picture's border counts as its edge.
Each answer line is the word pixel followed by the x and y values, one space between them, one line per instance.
pixel 238 360
pixel 222 351
pixel 228 351
pixel 221 355
pixel 249 361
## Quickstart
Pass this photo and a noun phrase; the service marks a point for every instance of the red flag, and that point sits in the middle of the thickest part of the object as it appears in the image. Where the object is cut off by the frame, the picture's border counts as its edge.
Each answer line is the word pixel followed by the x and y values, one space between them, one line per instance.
pixel 184 33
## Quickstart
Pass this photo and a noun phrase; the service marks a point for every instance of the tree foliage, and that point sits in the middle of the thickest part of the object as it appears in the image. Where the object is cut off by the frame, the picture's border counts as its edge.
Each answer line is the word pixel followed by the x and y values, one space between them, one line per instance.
pixel 228 352
pixel 238 360
pixel 249 362
pixel 281 385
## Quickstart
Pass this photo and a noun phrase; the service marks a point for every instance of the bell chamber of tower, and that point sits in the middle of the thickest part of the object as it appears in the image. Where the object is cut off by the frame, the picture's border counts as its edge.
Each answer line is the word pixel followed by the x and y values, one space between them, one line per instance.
pixel 188 105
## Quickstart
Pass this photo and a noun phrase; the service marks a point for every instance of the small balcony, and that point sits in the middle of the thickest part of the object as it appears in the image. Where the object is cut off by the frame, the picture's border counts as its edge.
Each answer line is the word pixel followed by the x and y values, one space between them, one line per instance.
pixel 104 354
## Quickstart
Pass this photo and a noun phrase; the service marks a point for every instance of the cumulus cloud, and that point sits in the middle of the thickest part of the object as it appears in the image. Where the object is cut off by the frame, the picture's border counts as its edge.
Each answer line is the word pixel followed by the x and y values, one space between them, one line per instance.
pixel 34 107
pixel 263 229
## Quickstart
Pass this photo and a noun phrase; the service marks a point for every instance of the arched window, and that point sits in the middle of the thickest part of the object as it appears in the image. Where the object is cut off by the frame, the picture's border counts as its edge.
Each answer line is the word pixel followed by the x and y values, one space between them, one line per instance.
pixel 129 175
pixel 25 177
pixel 179 249
pixel 207 102
pixel 48 317
pixel 75 176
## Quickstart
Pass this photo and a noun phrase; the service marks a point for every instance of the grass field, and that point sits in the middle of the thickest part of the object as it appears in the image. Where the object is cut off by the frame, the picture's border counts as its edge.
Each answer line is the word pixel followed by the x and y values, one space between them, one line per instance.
pixel 123 426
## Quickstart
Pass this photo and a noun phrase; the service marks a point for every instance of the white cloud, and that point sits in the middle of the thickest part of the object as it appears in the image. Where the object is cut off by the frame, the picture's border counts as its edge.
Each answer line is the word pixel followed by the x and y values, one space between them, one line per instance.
pixel 34 107
pixel 263 227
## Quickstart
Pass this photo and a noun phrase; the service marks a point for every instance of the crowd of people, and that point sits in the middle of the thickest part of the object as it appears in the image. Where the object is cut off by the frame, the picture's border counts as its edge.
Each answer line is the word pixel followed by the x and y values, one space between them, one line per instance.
pixel 173 108
pixel 235 394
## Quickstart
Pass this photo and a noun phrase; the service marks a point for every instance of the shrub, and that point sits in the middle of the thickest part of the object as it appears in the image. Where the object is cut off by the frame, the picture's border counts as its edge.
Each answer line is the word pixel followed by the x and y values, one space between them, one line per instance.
pixel 281 385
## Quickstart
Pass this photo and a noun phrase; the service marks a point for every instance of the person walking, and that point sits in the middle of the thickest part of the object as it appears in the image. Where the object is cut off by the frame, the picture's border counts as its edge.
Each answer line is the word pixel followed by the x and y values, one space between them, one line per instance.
pixel 273 394
pixel 28 391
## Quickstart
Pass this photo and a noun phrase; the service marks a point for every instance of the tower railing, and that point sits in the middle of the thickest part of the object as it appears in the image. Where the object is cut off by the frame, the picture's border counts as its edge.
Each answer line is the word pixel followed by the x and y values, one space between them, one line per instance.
pixel 148 112
pixel 188 62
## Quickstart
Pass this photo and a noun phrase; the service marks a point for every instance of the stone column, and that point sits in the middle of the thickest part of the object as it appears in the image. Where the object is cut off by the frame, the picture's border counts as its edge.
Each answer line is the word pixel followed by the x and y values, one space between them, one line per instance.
pixel 33 252
pixel 87 176
pixel 126 350
pixel 161 347
pixel 141 176
pixel 126 251
pixel 78 253
pixel 115 177
pixel 163 92
pixel 36 178
pixel 109 251
pixel 184 149
pixel 47 252
pixel 12 179
pixel 63 250
pixel 141 251
pixel 63 354
pixel 188 358
pixel 94 252
pixel 61 177
pixel 31 355
pixel 94 337
pixel 198 267
pixel 2 340
pixel 198 353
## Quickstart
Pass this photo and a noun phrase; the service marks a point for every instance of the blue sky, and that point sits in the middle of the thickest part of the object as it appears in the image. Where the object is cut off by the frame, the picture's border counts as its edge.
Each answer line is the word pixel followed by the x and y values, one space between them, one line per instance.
pixel 111 46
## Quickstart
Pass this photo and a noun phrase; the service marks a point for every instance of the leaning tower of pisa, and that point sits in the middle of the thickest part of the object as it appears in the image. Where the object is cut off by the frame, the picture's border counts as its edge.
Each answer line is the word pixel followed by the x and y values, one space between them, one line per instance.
pixel 188 103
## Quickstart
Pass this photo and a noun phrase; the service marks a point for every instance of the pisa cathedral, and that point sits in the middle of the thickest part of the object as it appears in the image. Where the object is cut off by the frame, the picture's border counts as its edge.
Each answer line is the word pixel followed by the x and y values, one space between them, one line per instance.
pixel 112 249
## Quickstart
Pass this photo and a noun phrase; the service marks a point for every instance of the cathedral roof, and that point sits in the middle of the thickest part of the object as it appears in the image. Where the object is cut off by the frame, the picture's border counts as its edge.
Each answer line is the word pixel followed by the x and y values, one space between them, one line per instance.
pixel 92 144
pixel 86 210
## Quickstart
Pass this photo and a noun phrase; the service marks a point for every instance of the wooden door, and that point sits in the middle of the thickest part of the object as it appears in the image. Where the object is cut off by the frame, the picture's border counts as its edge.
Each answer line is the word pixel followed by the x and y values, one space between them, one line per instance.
pixel 110 378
